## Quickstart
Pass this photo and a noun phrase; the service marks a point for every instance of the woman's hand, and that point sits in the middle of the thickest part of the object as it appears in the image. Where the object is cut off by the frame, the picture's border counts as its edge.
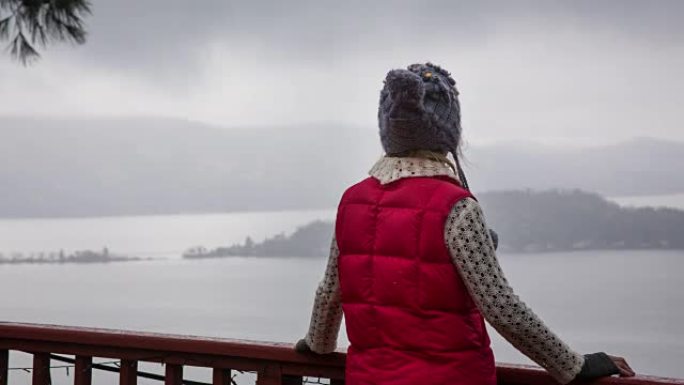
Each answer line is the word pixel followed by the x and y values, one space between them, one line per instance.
pixel 495 238
pixel 302 347
pixel 621 363
pixel 601 364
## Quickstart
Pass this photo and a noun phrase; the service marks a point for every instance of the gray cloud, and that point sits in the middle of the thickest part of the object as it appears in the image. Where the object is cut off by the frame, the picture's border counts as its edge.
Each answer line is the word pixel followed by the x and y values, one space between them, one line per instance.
pixel 576 70
pixel 163 37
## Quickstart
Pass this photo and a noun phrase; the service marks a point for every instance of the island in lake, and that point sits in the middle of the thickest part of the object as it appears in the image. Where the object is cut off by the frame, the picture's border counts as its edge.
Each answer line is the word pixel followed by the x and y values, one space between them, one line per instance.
pixel 311 240
pixel 526 221
pixel 81 256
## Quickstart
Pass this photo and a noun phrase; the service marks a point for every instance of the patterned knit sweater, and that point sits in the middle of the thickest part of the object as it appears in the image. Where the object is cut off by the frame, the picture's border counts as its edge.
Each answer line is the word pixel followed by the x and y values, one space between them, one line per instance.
pixel 464 232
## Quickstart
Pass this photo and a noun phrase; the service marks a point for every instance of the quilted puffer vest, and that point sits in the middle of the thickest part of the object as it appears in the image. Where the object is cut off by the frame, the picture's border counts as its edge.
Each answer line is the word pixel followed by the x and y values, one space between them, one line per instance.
pixel 409 317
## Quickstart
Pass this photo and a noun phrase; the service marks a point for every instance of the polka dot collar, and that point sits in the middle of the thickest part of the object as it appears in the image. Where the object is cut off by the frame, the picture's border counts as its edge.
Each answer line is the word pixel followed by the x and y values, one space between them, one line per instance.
pixel 388 168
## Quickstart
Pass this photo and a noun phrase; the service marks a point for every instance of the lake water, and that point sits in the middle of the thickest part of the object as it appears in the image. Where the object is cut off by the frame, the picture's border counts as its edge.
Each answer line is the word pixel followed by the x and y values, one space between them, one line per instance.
pixel 155 236
pixel 628 303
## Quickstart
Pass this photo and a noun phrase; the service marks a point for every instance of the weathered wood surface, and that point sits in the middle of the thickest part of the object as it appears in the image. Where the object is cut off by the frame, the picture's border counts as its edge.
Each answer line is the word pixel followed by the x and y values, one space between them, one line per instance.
pixel 275 363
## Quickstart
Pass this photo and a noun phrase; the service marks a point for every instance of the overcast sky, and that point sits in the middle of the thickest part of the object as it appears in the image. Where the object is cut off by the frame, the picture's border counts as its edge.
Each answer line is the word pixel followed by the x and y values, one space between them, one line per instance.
pixel 578 71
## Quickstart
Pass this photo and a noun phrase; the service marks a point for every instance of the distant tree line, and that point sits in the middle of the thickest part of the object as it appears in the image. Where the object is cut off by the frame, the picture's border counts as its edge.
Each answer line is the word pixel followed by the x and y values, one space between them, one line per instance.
pixel 311 240
pixel 80 256
pixel 526 221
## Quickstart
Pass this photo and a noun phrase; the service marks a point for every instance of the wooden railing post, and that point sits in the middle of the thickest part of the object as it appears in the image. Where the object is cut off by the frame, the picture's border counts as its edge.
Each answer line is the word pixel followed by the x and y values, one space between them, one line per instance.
pixel 292 380
pixel 270 374
pixel 275 363
pixel 174 375
pixel 83 372
pixel 4 365
pixel 220 377
pixel 41 369
pixel 128 374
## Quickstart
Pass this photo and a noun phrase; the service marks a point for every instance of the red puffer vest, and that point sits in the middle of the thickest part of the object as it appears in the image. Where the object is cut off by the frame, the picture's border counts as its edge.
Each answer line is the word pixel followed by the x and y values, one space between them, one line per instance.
pixel 409 317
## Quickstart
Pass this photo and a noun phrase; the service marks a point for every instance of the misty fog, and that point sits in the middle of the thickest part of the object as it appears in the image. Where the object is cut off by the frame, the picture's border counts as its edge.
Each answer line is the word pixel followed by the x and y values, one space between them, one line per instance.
pixel 191 155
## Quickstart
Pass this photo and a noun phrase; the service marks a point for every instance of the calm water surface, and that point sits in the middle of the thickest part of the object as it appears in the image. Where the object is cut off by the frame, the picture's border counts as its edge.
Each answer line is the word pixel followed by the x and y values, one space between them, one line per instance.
pixel 156 236
pixel 628 303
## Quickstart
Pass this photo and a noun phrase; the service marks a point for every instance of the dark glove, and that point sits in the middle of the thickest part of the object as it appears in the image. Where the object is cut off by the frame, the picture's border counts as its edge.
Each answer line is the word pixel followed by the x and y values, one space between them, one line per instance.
pixel 597 365
pixel 495 238
pixel 302 347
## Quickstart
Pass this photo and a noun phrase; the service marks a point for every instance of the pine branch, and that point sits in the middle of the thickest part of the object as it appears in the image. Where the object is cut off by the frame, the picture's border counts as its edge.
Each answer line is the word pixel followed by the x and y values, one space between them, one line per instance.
pixel 5 28
pixel 23 50
pixel 44 21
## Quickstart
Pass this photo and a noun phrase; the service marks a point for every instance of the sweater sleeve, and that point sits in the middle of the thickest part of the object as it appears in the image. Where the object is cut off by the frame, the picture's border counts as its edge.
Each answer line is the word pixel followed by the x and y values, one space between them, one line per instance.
pixel 473 253
pixel 326 316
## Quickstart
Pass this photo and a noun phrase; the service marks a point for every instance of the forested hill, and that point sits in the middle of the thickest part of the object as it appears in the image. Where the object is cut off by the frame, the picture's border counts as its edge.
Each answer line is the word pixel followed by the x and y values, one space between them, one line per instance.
pixel 554 220
pixel 572 219
pixel 137 166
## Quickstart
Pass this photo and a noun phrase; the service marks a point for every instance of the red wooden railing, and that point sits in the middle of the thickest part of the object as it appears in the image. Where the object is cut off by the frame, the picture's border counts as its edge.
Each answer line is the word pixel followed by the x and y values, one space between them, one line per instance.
pixel 274 363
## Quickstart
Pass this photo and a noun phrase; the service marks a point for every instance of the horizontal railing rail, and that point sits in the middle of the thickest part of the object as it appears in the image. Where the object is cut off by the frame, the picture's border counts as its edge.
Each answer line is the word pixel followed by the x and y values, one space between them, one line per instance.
pixel 273 363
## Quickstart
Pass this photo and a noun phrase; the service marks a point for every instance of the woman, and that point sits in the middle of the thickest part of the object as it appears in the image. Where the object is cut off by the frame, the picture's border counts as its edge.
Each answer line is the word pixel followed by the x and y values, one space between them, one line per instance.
pixel 413 266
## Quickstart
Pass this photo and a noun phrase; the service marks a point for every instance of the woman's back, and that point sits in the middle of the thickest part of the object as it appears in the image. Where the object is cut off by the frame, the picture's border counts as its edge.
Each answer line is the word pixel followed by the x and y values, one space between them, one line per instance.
pixel 409 316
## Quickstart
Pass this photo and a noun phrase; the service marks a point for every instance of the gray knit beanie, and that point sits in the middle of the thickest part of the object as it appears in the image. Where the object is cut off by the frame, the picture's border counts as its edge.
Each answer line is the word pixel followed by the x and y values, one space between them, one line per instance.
pixel 419 110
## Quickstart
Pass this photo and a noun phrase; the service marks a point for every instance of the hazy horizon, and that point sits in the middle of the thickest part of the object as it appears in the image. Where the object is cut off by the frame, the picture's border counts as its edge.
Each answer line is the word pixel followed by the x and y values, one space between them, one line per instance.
pixel 129 166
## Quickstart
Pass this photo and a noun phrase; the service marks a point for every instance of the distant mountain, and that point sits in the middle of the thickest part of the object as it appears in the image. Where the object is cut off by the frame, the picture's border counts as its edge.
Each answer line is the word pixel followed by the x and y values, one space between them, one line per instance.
pixel 526 221
pixel 90 167
pixel 153 166
pixel 641 166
